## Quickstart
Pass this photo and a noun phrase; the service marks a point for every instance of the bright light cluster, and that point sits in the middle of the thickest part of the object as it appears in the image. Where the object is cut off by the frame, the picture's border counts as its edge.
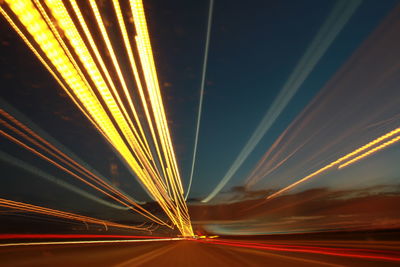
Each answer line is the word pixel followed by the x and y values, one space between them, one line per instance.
pixel 61 39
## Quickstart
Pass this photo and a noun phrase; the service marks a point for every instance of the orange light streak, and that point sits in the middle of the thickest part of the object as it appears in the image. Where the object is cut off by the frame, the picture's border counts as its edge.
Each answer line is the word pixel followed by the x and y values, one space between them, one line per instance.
pixel 62 157
pixel 141 210
pixel 344 158
pixel 374 150
pixel 62 214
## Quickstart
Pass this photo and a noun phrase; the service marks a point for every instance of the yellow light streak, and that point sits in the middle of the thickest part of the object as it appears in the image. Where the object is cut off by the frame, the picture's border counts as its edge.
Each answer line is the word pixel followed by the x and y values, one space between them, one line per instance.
pixel 91 242
pixel 128 138
pixel 374 150
pixel 108 77
pixel 344 158
pixel 138 151
pixel 146 57
pixel 66 23
pixel 134 69
pixel 41 59
pixel 148 66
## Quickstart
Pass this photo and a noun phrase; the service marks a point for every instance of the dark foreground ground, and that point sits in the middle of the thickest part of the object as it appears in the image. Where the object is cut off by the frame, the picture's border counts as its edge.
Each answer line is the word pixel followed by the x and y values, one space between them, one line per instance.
pixel 216 252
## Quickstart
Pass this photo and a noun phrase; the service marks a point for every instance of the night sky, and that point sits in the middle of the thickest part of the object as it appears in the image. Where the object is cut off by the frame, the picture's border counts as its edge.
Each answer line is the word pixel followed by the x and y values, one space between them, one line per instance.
pixel 254 47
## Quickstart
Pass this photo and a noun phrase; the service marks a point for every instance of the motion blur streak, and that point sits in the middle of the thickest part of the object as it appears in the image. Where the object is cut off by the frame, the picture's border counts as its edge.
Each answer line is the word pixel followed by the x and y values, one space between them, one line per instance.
pixel 39 173
pixel 102 184
pixel 340 160
pixel 135 73
pixel 366 154
pixel 63 157
pixel 341 252
pixel 203 80
pixel 78 72
pixel 33 130
pixel 71 236
pixel 62 214
pixel 119 73
pixel 325 192
pixel 337 19
pixel 322 132
pixel 149 70
pixel 86 242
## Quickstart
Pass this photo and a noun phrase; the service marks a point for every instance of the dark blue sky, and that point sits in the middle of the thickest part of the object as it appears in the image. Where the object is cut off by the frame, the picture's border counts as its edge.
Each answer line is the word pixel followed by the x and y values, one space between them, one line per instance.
pixel 253 50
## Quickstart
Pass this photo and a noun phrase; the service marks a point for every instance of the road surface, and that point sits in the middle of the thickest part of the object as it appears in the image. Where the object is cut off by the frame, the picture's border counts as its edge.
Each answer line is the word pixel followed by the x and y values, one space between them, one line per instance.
pixel 212 253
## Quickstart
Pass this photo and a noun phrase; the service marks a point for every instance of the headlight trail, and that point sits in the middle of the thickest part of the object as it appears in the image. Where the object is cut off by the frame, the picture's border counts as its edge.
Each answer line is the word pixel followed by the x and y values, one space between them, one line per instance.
pixel 337 19
pixel 39 173
pixel 135 207
pixel 49 69
pixel 374 150
pixel 117 67
pixel 129 51
pixel 50 32
pixel 339 162
pixel 203 80
pixel 116 241
pixel 44 138
pixel 53 151
pixel 93 46
pixel 149 70
pixel 75 236
pixel 20 206
pixel 59 155
pixel 82 51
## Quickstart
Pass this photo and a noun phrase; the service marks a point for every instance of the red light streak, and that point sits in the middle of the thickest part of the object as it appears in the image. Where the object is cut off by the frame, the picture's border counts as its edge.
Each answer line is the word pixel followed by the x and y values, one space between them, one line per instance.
pixel 341 252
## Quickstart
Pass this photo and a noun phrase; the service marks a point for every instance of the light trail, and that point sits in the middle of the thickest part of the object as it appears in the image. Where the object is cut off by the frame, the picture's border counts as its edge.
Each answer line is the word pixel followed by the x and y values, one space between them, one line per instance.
pixel 101 61
pixel 264 166
pixel 87 242
pixel 80 77
pixel 374 150
pixel 57 154
pixel 118 70
pixel 148 65
pixel 203 80
pixel 345 158
pixel 44 138
pixel 135 73
pixel 149 70
pixel 85 57
pixel 137 208
pixel 39 173
pixel 74 236
pixel 341 252
pixel 53 73
pixel 337 19
pixel 72 164
pixel 62 214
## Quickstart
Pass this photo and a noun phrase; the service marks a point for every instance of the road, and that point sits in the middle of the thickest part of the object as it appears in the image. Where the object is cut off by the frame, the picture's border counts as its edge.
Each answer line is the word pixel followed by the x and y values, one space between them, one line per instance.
pixel 209 253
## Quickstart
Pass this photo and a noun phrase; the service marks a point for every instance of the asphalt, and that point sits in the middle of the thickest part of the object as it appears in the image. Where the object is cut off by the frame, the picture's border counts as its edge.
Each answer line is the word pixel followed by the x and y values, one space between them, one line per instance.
pixel 195 253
